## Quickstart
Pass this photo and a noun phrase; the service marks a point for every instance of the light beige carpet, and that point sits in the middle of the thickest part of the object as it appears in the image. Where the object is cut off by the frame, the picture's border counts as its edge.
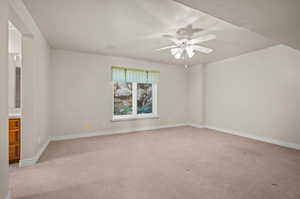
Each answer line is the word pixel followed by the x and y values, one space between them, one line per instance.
pixel 174 163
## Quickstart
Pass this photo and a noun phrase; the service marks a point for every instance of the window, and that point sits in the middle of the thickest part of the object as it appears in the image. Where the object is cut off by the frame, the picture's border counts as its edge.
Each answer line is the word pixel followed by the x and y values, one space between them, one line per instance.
pixel 122 98
pixel 134 100
pixel 134 94
pixel 144 98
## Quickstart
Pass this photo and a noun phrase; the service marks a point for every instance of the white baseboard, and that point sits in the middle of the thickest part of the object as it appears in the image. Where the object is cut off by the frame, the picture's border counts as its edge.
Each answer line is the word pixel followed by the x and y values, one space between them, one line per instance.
pixel 195 125
pixel 112 132
pixel 255 137
pixel 35 159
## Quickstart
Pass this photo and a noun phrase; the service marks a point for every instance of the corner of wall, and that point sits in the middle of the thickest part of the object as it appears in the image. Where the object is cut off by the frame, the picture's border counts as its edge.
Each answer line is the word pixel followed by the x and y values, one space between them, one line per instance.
pixel 35 82
pixel 196 95
pixel 4 12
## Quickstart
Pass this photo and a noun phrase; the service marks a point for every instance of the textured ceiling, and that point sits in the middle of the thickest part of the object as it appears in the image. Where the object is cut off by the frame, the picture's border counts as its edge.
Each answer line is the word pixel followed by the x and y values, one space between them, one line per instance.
pixel 275 19
pixel 133 28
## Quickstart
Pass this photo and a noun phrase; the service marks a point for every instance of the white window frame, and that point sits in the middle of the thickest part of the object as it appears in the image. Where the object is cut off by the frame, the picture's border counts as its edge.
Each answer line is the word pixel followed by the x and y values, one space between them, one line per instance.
pixel 134 114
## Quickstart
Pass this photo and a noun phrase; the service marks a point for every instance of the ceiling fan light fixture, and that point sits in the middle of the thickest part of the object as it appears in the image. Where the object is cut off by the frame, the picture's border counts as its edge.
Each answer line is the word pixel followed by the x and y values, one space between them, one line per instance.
pixel 177 56
pixel 174 51
pixel 184 46
pixel 190 51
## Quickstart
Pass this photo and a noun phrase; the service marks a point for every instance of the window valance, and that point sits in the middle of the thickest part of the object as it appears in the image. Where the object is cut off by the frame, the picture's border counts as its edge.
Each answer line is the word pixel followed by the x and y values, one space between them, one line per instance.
pixel 120 74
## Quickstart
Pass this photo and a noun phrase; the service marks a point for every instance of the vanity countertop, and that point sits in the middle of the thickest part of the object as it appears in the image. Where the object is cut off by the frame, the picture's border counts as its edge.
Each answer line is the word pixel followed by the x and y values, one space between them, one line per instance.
pixel 14 115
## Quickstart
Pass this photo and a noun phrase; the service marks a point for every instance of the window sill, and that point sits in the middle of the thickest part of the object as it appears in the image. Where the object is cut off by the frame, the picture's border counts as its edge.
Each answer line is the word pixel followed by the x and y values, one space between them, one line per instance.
pixel 135 118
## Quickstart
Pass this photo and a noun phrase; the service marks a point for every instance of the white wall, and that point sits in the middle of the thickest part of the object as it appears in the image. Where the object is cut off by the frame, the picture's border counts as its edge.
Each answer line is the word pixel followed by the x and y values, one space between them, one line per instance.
pixel 36 94
pixel 195 96
pixel 254 93
pixel 11 83
pixel 81 93
pixel 257 93
pixel 35 78
pixel 3 99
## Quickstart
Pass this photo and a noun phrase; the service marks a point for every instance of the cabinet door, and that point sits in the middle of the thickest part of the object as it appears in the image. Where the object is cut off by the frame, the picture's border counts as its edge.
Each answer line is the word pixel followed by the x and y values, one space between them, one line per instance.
pixel 14 153
pixel 14 137
pixel 14 140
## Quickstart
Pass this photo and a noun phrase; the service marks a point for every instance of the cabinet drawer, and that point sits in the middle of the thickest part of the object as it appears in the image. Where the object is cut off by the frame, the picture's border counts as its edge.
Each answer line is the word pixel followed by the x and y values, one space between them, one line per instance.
pixel 14 124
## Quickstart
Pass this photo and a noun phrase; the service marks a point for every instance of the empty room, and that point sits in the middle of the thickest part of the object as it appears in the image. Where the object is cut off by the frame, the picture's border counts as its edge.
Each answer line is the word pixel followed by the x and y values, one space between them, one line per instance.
pixel 144 99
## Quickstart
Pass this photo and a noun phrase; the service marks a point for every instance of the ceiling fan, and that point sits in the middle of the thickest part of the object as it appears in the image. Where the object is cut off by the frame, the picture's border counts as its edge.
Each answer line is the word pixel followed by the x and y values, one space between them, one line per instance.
pixel 183 44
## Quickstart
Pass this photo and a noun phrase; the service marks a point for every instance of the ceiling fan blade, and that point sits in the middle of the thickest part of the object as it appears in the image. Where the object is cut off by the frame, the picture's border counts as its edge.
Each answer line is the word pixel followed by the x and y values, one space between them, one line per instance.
pixel 166 34
pixel 202 49
pixel 195 30
pixel 174 51
pixel 169 36
pixel 175 41
pixel 165 48
pixel 202 39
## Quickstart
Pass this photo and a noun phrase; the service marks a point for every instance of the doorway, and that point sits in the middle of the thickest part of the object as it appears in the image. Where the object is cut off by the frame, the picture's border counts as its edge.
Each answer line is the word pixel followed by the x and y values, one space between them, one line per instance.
pixel 14 93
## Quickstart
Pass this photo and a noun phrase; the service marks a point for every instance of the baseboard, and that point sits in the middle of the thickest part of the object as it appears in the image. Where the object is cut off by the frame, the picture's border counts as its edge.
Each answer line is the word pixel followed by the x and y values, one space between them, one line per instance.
pixel 195 125
pixel 259 138
pixel 35 159
pixel 112 132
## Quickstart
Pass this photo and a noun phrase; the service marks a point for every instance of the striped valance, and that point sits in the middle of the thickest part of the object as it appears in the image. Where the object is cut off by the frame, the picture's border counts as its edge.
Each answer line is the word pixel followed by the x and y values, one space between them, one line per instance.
pixel 120 74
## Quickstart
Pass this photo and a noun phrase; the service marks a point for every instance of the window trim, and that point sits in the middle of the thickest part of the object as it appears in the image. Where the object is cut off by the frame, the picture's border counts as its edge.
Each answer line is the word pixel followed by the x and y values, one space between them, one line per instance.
pixel 134 115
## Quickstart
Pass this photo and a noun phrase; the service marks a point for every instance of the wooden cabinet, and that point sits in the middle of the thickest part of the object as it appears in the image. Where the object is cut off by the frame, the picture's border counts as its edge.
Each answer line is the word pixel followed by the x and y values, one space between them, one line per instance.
pixel 14 140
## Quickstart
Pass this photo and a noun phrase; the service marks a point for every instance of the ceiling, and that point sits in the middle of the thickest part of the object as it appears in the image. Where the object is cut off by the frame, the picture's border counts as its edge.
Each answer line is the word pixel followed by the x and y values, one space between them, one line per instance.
pixel 134 28
pixel 276 19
